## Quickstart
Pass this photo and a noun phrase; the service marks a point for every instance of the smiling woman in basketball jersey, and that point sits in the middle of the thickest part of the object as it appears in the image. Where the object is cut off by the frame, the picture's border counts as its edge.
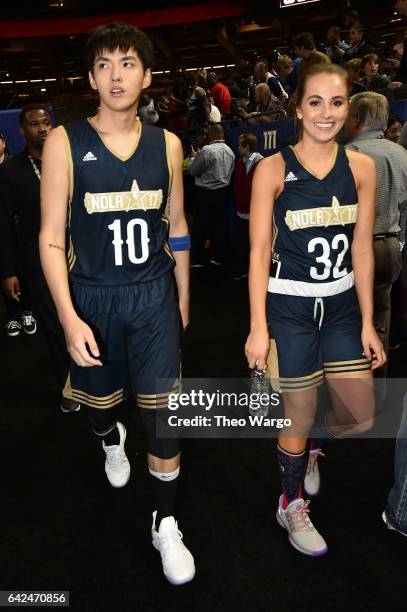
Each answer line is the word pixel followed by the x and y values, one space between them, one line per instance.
pixel 311 224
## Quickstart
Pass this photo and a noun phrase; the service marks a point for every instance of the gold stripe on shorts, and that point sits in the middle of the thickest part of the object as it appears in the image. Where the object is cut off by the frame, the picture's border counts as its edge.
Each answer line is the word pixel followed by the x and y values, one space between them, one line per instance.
pixel 302 383
pixel 342 368
pixel 94 401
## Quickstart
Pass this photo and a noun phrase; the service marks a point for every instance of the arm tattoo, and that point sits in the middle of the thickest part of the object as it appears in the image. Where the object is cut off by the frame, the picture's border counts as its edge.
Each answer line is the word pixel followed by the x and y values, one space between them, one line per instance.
pixel 168 207
pixel 56 246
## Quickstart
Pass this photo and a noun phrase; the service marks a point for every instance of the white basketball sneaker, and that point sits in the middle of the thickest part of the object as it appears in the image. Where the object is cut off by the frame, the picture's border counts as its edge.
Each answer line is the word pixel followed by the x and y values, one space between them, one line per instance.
pixel 312 480
pixel 301 532
pixel 117 465
pixel 178 563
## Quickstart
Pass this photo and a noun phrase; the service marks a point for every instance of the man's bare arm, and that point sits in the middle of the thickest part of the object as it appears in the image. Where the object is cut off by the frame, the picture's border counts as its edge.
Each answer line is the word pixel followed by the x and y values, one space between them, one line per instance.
pixel 178 226
pixel 54 203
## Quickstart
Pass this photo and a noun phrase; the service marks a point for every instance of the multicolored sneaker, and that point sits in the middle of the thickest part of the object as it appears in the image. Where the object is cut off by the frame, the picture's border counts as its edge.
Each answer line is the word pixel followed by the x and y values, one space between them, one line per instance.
pixel 301 532
pixel 312 480
pixel 178 563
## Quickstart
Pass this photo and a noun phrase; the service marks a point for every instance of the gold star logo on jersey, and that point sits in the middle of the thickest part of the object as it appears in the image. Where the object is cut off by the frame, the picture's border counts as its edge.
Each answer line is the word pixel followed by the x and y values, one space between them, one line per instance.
pixel 123 201
pixel 323 216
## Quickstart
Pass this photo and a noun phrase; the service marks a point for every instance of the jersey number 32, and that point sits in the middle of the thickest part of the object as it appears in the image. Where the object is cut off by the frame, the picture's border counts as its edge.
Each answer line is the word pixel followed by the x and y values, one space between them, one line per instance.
pixel 340 240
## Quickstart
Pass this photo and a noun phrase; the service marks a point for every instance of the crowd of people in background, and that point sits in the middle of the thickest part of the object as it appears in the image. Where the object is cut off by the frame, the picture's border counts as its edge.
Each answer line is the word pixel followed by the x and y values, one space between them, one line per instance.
pixel 261 88
pixel 200 108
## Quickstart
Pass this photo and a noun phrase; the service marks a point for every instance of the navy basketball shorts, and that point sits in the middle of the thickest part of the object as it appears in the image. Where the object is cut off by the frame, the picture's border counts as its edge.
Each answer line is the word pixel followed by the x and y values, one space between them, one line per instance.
pixel 137 329
pixel 314 338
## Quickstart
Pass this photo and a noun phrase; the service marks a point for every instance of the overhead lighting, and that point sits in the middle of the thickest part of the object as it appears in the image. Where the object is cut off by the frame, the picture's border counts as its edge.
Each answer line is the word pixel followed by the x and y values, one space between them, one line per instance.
pixel 223 66
pixel 158 72
pixel 35 80
pixel 21 81
pixel 190 69
pixel 285 3
pixel 6 82
pixel 49 80
pixel 230 65
pixel 43 89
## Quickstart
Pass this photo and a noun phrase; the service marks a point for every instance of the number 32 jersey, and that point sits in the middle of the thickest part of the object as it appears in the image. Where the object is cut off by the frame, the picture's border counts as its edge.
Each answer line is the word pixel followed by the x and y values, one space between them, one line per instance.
pixel 313 221
pixel 117 225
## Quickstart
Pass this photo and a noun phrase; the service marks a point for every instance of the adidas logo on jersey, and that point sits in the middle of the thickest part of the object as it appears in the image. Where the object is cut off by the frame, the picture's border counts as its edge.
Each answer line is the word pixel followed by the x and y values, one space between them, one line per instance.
pixel 89 157
pixel 290 177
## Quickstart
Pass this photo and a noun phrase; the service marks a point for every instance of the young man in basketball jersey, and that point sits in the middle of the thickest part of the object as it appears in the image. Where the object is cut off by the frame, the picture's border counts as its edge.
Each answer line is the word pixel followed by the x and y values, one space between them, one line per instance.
pixel 313 208
pixel 119 183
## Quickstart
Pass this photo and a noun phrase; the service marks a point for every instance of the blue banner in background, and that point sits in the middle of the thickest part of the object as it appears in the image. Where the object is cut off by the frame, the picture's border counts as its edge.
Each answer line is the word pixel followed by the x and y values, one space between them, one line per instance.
pixel 399 109
pixel 10 127
pixel 271 137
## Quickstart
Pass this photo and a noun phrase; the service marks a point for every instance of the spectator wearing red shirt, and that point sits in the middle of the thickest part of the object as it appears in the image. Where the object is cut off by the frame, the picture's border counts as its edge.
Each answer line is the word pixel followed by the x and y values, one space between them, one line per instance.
pixel 220 94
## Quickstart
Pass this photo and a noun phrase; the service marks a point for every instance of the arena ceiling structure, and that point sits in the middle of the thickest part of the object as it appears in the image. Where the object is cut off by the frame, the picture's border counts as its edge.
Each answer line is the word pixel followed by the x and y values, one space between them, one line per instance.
pixel 41 43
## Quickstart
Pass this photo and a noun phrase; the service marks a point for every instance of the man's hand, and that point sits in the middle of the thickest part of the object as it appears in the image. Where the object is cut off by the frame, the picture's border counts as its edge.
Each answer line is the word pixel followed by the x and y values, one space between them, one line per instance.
pixel 11 286
pixel 81 343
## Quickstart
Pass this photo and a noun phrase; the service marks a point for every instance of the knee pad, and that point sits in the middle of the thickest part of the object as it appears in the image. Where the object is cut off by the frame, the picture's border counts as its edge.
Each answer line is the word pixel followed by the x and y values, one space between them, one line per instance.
pixel 163 448
pixel 102 421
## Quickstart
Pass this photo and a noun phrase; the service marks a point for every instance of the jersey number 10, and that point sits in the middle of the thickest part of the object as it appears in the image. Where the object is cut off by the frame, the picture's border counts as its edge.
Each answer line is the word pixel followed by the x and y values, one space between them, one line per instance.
pixel 118 241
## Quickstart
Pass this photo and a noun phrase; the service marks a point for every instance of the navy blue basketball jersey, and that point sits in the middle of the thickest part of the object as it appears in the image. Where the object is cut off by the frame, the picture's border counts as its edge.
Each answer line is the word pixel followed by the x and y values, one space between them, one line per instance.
pixel 117 223
pixel 313 221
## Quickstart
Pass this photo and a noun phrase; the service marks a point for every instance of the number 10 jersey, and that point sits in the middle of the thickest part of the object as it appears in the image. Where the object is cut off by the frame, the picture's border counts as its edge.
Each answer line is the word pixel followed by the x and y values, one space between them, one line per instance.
pixel 116 222
pixel 313 223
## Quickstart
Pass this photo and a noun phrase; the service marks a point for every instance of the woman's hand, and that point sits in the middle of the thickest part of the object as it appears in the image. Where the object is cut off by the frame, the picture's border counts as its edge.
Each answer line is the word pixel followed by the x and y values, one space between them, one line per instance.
pixel 373 347
pixel 257 348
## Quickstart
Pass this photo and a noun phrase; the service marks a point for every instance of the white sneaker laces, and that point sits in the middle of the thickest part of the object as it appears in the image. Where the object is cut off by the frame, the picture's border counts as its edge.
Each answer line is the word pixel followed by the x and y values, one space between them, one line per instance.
pixel 170 540
pixel 116 457
pixel 298 518
pixel 13 325
pixel 313 458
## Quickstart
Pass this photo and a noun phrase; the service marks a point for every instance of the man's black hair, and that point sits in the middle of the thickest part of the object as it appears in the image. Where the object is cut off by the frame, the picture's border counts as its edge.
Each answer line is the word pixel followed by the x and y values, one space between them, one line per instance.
pixel 118 35
pixel 31 107
pixel 304 40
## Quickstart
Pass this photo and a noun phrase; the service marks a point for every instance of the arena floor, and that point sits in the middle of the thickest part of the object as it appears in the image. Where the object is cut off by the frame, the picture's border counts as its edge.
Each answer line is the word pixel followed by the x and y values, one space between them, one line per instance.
pixel 65 528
